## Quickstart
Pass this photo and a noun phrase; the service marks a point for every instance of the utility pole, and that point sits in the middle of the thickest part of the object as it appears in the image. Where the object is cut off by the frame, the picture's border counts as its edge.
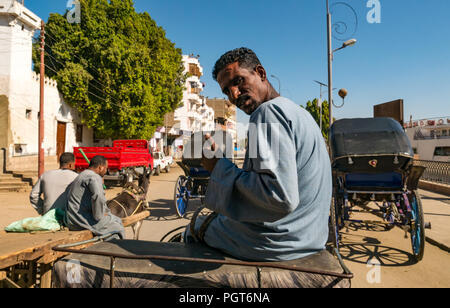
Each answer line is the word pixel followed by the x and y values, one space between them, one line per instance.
pixel 330 65
pixel 41 155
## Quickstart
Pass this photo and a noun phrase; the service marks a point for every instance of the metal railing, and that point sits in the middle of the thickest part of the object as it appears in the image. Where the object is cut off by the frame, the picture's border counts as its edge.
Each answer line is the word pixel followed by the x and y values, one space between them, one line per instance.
pixel 417 137
pixel 436 171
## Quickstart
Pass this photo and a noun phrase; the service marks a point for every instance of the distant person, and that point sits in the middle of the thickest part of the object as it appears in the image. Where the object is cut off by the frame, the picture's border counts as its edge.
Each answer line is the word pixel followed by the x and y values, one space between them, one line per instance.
pixel 86 207
pixel 50 191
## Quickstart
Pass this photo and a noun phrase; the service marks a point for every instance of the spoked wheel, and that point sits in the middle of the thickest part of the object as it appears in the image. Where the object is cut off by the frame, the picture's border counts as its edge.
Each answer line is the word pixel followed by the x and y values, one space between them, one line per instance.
pixel 181 196
pixel 334 223
pixel 417 226
pixel 333 226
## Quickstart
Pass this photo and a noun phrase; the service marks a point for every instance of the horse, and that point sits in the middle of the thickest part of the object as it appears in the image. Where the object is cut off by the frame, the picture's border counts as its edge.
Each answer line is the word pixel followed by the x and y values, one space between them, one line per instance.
pixel 131 201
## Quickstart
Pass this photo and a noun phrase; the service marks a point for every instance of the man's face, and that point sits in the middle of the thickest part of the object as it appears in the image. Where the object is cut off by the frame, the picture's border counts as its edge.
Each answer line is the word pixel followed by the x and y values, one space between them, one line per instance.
pixel 247 89
pixel 102 170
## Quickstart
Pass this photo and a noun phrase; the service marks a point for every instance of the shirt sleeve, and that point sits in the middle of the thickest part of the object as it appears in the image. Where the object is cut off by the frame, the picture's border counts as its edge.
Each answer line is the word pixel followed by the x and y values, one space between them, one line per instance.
pixel 35 197
pixel 268 190
pixel 98 198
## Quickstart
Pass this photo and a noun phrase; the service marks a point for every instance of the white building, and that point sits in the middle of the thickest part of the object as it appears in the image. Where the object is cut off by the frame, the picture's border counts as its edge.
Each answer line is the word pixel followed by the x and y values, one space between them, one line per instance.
pixel 194 115
pixel 19 97
pixel 430 138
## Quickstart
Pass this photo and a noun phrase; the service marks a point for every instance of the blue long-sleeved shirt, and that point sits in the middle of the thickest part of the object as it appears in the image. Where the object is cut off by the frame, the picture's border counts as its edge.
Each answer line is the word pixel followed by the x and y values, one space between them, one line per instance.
pixel 277 207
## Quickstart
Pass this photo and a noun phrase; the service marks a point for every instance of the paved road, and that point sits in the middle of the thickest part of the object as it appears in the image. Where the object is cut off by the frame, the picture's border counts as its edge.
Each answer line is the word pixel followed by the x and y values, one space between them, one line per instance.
pixel 361 243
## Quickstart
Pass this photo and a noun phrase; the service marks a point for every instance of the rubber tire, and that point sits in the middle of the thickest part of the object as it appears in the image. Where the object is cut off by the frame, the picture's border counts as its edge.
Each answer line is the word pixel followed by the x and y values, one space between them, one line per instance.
pixel 182 180
pixel 420 216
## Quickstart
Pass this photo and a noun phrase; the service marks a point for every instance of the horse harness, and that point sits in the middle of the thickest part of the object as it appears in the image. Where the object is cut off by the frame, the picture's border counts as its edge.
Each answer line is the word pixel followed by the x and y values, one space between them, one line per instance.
pixel 124 208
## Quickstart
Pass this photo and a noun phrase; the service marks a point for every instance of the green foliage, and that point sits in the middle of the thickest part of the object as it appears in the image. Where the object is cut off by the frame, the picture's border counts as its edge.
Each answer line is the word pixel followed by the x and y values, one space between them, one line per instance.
pixel 116 67
pixel 314 109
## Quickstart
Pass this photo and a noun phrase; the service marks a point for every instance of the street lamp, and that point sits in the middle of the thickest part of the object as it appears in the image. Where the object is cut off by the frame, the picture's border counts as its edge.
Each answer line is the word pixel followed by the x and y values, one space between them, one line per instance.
pixel 330 61
pixel 279 83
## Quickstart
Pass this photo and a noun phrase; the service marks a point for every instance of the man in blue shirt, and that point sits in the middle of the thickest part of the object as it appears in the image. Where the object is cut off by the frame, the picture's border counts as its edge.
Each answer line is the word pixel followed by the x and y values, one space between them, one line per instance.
pixel 276 208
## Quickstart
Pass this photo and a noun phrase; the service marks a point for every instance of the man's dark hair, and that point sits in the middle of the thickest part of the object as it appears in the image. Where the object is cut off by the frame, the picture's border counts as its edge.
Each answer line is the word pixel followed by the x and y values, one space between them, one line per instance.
pixel 98 161
pixel 244 56
pixel 66 159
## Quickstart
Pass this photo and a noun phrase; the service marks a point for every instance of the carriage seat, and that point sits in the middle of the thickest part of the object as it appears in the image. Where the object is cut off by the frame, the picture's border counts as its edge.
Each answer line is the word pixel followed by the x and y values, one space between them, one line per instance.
pixel 94 271
pixel 199 173
pixel 392 180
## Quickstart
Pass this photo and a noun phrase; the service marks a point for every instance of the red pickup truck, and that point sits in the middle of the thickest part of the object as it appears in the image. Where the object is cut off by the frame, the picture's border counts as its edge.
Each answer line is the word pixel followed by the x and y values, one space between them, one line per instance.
pixel 127 159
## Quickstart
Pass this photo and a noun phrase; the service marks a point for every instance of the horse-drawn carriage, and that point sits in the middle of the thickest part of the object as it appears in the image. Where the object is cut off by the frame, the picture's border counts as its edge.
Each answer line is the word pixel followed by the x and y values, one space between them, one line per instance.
pixel 193 185
pixel 373 161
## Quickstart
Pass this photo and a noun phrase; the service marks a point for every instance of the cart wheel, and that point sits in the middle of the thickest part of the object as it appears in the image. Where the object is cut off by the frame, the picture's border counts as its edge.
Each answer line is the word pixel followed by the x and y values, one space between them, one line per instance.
pixel 417 227
pixel 333 225
pixel 181 196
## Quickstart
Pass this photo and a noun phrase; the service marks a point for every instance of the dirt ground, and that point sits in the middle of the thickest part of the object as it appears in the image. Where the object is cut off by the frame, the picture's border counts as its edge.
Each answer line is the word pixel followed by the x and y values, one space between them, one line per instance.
pixel 363 245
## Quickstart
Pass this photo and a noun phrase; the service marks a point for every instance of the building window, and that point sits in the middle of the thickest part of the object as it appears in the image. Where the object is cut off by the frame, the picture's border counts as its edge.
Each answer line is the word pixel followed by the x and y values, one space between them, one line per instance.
pixel 79 134
pixel 19 149
pixel 28 114
pixel 194 70
pixel 442 151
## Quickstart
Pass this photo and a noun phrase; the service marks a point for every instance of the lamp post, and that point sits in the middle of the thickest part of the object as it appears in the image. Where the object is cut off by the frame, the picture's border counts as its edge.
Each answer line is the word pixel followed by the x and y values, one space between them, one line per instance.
pixel 321 84
pixel 330 61
pixel 279 83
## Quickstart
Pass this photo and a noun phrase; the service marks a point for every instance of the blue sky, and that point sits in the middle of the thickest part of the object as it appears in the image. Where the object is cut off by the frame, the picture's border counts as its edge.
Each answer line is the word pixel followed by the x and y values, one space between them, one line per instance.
pixel 406 56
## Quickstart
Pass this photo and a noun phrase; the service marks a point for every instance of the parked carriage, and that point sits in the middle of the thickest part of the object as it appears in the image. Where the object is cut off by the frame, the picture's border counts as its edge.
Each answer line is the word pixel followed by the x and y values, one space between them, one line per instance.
pixel 373 162
pixel 193 185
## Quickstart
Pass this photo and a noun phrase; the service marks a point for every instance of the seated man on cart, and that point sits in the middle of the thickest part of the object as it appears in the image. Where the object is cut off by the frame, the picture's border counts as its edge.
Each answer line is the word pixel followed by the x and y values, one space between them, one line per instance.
pixel 52 186
pixel 277 207
pixel 86 208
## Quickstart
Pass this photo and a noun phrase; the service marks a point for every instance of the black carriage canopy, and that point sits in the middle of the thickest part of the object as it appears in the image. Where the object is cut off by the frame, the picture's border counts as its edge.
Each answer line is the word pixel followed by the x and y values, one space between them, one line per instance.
pixel 372 136
pixel 196 146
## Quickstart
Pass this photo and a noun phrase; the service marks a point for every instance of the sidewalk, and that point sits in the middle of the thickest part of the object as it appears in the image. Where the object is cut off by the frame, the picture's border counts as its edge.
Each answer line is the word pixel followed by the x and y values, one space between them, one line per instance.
pixel 437 211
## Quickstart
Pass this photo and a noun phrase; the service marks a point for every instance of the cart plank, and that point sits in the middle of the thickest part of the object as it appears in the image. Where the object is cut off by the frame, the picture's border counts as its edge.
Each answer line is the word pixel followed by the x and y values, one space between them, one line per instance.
pixel 18 247
pixel 129 221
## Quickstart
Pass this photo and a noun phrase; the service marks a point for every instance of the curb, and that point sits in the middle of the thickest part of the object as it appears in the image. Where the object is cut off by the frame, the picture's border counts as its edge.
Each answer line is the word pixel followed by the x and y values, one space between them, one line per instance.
pixel 435 187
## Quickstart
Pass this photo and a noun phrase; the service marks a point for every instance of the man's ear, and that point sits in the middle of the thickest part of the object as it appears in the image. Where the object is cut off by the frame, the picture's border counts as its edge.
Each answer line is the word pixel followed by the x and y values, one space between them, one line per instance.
pixel 260 70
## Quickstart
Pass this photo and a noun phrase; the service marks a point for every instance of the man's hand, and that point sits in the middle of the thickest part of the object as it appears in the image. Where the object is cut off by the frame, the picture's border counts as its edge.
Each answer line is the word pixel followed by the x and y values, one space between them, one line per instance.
pixel 210 163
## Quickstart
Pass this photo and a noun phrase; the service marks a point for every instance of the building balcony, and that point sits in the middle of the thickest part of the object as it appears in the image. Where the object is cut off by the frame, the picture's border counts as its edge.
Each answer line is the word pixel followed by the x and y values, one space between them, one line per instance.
pixel 196 91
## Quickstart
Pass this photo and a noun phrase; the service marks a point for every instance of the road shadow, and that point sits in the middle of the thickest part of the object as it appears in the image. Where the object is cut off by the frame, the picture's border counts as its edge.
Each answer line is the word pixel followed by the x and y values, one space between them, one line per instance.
pixel 368 253
pixel 372 226
pixel 369 250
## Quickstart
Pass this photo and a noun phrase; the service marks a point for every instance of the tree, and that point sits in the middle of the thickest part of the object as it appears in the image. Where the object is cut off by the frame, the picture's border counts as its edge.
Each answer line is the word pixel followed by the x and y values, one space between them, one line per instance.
pixel 314 109
pixel 116 67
